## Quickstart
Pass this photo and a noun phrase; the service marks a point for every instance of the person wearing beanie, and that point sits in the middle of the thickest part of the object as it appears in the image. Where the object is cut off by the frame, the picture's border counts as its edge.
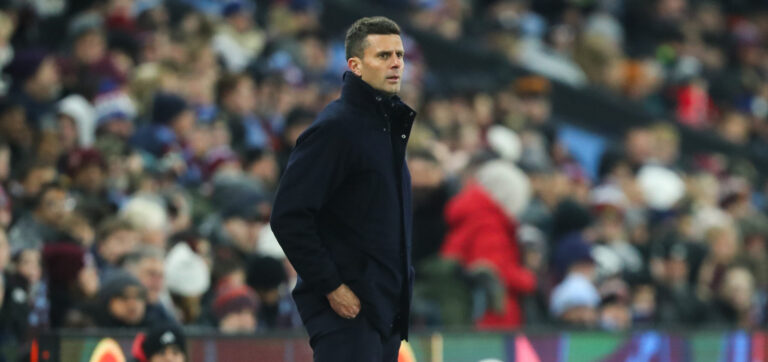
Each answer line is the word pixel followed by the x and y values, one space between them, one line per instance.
pixel 482 228
pixel 187 278
pixel 163 343
pixel 115 112
pixel 87 170
pixel 77 122
pixel 268 277
pixel 122 302
pixel 172 121
pixel 238 41
pixel 35 83
pixel 235 309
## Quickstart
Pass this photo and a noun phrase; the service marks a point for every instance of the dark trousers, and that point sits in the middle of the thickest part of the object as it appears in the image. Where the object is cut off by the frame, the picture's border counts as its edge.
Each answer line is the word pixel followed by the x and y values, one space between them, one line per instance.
pixel 356 342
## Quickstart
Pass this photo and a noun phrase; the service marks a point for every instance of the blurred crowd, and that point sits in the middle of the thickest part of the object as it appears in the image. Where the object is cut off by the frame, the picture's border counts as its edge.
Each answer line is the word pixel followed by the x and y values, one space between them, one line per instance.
pixel 141 142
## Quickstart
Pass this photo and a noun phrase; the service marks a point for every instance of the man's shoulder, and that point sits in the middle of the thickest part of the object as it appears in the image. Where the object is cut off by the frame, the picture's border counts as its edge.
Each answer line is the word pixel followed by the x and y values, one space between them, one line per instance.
pixel 338 115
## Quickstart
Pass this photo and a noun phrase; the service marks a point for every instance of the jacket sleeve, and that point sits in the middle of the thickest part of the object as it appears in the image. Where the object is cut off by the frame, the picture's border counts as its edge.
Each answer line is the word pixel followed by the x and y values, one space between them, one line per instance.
pixel 496 247
pixel 316 168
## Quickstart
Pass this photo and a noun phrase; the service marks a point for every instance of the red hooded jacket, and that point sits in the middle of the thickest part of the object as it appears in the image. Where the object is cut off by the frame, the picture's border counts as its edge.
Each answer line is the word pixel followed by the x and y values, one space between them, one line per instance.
pixel 480 231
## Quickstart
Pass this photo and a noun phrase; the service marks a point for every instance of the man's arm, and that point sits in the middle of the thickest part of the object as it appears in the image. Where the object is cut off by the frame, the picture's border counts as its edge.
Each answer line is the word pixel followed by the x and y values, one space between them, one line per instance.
pixel 315 170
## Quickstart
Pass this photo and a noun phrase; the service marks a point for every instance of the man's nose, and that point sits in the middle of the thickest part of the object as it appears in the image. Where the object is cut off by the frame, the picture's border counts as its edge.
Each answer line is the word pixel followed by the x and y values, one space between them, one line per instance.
pixel 397 62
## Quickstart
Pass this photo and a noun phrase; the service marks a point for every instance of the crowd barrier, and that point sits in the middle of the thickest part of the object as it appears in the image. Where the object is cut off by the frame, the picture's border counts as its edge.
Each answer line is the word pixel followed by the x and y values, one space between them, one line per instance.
pixel 465 346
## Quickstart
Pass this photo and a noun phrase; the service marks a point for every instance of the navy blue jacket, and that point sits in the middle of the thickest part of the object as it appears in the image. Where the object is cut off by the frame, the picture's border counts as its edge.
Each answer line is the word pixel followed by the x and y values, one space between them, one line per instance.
pixel 342 213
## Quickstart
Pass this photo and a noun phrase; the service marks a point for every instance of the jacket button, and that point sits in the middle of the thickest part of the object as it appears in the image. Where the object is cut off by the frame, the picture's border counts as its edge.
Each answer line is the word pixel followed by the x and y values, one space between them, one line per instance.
pixel 411 114
pixel 384 129
pixel 402 136
pixel 378 99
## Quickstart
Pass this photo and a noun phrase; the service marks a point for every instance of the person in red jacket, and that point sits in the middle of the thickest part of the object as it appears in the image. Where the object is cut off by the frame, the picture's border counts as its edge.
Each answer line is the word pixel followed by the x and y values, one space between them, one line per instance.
pixel 483 229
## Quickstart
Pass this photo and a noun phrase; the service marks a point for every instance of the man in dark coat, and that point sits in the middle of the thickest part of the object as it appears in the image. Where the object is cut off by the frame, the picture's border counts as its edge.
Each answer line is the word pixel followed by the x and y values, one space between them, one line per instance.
pixel 342 213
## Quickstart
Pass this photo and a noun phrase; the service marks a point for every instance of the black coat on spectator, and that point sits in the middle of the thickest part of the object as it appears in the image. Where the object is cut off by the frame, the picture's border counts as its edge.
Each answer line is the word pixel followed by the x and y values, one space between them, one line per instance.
pixel 342 213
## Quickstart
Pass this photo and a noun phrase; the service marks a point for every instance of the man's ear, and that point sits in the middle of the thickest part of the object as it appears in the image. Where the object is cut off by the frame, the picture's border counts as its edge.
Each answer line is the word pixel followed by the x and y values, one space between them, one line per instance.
pixel 354 65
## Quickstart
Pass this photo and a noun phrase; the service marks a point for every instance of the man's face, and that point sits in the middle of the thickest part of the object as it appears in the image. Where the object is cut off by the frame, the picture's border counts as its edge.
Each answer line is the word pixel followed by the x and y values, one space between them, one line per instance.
pixel 149 271
pixel 90 178
pixel 56 205
pixel 129 307
pixel 117 244
pixel 169 354
pixel 243 321
pixel 382 63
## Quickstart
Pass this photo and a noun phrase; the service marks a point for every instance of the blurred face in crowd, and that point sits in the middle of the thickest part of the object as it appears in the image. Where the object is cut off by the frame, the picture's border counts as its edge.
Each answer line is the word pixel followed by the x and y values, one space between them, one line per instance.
pixel 243 321
pixel 615 316
pixel 45 85
pixel 676 270
pixel 536 108
pixel 644 301
pixel 28 265
pixel 150 272
pixel 67 132
pixel 242 98
pixel 5 250
pixel 425 173
pixel 265 169
pixel 738 289
pixel 240 21
pixel 639 144
pixel 582 316
pixel 169 354
pixel 5 162
pixel 129 307
pixel 90 47
pixel 244 233
pixel 36 178
pixel 184 123
pixel 118 244
pixel 54 207
pixel 723 245
pixel 90 178
pixel 382 63
pixel 551 187
pixel 118 126
pixel 13 124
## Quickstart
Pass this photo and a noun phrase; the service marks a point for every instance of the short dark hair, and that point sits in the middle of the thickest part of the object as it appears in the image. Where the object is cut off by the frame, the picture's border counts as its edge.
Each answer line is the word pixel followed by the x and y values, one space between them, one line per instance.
pixel 227 84
pixel 354 44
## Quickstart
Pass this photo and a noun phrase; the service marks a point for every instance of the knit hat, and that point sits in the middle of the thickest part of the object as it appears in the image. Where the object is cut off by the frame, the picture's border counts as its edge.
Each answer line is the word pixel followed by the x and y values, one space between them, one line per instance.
pixel 575 291
pixel 265 272
pixel 81 111
pixel 115 285
pixel 166 107
pixel 234 299
pixel 156 340
pixel 62 262
pixel 25 64
pixel 186 273
pixel 232 7
pixel 112 105
pixel 505 142
pixel 661 187
pixel 506 184
pixel 82 158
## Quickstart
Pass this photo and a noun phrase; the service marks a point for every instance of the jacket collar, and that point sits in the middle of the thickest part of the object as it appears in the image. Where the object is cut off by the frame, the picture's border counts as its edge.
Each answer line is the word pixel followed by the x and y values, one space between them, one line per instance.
pixel 355 90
